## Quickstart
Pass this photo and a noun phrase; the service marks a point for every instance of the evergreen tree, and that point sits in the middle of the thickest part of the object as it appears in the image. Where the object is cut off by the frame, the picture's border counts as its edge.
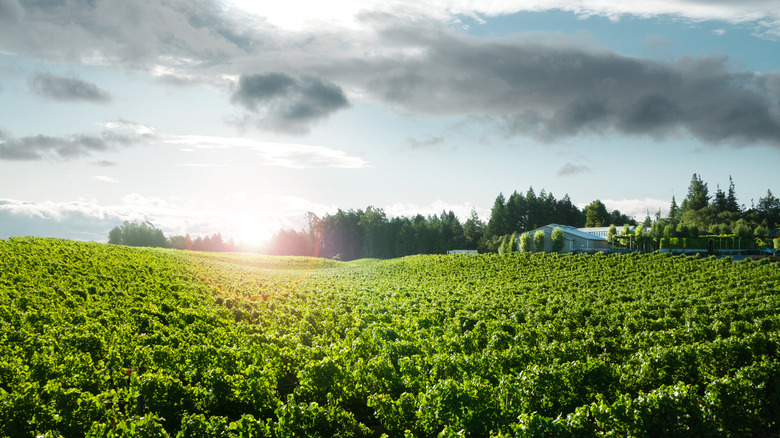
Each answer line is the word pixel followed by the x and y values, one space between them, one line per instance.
pixel 516 212
pixel 498 225
pixel 568 213
pixel 769 203
pixel 532 205
pixel 698 195
pixel 545 203
pixel 647 223
pixel 473 230
pixel 731 199
pixel 719 201
pixel 674 211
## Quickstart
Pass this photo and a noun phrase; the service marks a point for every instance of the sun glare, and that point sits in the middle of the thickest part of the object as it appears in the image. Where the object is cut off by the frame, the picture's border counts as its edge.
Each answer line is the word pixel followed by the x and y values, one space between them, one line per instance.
pixel 252 236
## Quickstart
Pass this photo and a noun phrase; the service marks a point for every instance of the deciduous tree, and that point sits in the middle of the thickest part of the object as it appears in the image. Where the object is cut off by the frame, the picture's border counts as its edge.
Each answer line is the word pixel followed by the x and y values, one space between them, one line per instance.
pixel 596 214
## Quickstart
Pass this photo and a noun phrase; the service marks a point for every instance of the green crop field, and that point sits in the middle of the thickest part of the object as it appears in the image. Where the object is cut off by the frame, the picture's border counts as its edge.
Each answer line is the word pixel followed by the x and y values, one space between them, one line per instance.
pixel 100 340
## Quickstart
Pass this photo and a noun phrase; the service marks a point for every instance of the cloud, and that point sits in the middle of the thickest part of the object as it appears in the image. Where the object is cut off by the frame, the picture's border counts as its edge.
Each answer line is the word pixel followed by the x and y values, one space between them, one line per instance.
pixel 556 88
pixel 570 169
pixel 207 33
pixel 81 220
pixel 10 11
pixel 406 55
pixel 122 125
pixel 636 208
pixel 106 179
pixel 300 14
pixel 279 102
pixel 135 34
pixel 462 211
pixel 105 163
pixel 246 219
pixel 38 147
pixel 67 89
pixel 59 148
pixel 430 142
pixel 295 156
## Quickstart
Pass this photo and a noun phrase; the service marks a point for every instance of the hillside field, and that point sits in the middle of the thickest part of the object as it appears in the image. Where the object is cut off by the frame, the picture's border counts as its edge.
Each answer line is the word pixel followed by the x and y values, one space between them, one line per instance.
pixel 108 341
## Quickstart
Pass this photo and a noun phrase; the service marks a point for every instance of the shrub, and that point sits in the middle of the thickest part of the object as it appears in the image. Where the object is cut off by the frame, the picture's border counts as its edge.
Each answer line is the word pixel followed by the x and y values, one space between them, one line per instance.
pixel 525 242
pixel 539 241
pixel 557 239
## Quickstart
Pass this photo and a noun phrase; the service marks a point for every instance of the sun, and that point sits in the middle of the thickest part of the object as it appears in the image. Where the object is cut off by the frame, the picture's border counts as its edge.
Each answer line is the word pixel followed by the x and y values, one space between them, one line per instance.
pixel 252 236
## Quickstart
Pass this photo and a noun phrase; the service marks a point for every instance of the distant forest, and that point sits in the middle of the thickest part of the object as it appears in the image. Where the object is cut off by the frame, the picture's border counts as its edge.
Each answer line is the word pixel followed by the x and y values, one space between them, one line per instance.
pixel 146 234
pixel 369 233
pixel 353 234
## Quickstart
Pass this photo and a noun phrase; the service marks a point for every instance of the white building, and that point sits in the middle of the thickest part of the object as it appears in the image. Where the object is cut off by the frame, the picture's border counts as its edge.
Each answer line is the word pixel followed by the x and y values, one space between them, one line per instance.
pixel 462 251
pixel 573 239
pixel 602 231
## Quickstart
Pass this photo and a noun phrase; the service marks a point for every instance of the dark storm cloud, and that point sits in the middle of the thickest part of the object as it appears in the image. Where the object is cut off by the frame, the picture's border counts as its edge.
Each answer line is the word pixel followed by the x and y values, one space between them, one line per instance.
pixel 254 89
pixel 545 86
pixel 280 102
pixel 563 88
pixel 67 89
pixel 41 147
pixel 10 11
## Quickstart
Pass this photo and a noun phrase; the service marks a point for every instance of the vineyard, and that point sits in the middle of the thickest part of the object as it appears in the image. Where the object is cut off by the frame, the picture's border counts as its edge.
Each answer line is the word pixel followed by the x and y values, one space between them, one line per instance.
pixel 107 341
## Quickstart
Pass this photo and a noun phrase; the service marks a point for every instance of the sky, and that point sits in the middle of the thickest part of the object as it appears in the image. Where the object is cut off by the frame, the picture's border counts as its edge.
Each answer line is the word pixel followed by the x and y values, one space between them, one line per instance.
pixel 238 117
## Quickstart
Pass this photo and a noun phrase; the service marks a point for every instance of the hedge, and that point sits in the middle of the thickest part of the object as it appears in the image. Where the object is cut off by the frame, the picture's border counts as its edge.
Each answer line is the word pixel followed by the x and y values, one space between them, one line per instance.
pixel 703 243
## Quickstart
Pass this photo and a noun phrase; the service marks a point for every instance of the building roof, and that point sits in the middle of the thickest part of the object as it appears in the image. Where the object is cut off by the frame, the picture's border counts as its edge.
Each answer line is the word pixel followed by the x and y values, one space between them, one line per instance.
pixel 571 231
pixel 619 228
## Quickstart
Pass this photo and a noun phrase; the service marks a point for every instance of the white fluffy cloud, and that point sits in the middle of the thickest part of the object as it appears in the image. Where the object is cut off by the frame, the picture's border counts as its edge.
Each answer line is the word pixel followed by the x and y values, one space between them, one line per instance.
pixel 290 155
pixel 297 14
pixel 462 211
pixel 636 208
pixel 250 221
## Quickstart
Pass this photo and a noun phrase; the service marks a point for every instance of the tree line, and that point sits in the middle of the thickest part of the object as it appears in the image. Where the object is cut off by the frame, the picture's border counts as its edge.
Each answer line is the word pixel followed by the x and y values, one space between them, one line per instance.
pixel 353 234
pixel 721 214
pixel 146 234
pixel 369 233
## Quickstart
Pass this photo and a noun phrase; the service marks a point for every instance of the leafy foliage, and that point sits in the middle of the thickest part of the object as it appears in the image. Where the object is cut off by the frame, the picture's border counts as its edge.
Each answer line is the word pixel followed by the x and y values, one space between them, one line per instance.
pixel 103 340
pixel 135 234
pixel 557 239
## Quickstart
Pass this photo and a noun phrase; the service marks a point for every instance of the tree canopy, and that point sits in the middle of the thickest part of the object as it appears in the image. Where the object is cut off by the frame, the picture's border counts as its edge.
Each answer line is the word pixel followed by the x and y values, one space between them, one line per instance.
pixel 137 234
